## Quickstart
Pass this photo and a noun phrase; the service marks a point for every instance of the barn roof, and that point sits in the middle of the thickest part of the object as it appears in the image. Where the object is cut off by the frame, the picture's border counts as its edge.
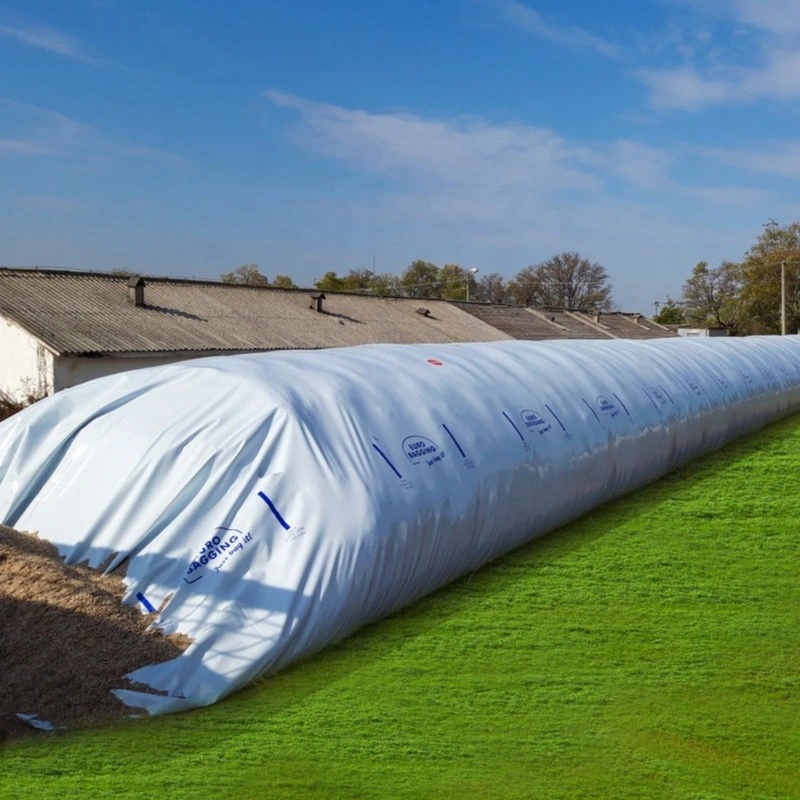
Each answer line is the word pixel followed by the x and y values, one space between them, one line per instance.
pixel 91 313
pixel 558 323
pixel 622 325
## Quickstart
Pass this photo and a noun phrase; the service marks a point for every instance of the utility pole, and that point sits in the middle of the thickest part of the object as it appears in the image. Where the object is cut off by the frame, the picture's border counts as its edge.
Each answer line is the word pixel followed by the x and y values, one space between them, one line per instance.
pixel 657 303
pixel 470 272
pixel 783 297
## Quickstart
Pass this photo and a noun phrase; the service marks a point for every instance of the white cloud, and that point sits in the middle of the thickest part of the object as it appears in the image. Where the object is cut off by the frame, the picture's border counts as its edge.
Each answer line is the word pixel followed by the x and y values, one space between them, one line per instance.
pixel 719 52
pixel 775 16
pixel 26 147
pixel 641 166
pixel 36 131
pixel 50 39
pixel 464 162
pixel 776 78
pixel 531 21
pixel 771 158
pixel 684 88
pixel 466 152
pixel 750 52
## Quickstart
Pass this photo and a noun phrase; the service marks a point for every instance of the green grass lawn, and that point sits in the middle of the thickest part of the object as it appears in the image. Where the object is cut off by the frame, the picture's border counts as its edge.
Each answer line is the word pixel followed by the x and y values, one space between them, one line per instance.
pixel 651 649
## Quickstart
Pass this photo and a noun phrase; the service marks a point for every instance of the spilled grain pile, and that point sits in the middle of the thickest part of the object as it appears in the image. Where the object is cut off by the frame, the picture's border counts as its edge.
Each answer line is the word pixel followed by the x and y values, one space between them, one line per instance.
pixel 65 639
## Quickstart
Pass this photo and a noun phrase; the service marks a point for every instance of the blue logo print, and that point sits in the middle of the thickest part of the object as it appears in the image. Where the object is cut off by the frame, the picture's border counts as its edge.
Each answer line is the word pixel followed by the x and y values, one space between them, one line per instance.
pixel 694 386
pixel 606 406
pixel 535 422
pixel 418 449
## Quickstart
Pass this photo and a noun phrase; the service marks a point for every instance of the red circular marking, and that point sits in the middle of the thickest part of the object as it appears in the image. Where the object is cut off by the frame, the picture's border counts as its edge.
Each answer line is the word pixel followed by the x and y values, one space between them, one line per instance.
pixel 435 363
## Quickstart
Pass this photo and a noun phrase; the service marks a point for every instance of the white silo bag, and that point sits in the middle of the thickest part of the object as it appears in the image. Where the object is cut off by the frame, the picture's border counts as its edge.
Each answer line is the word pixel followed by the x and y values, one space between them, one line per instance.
pixel 270 504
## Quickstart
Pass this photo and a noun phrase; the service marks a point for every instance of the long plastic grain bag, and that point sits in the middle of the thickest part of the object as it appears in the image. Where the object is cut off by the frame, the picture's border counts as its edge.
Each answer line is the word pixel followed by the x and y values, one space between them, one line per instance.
pixel 270 504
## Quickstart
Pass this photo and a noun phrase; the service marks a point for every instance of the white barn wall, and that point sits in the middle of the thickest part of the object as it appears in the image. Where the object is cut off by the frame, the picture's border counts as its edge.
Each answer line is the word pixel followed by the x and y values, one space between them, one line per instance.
pixel 26 365
pixel 72 370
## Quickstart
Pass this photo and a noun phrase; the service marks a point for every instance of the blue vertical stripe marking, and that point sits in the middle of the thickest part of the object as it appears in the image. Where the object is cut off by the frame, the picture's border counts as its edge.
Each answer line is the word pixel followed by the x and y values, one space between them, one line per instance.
pixel 455 441
pixel 555 417
pixel 145 602
pixel 384 457
pixel 624 407
pixel 514 426
pixel 666 393
pixel 592 410
pixel 277 514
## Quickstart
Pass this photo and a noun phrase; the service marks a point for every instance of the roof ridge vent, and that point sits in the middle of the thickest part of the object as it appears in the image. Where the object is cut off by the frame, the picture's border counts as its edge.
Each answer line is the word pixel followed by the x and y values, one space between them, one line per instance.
pixel 136 290
pixel 317 302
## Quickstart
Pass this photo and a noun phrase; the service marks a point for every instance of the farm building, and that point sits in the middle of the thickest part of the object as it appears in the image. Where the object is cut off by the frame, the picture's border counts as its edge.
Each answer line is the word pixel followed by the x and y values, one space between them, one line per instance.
pixel 716 331
pixel 59 328
pixel 558 323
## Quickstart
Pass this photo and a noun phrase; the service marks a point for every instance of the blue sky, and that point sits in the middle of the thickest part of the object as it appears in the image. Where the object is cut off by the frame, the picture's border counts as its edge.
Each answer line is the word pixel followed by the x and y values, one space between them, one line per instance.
pixel 186 138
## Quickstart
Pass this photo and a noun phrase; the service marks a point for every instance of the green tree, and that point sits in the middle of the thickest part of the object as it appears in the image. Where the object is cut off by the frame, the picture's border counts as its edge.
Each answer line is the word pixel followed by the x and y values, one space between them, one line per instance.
pixel 330 282
pixel 383 283
pixel 761 280
pixel 248 274
pixel 671 313
pixel 358 280
pixel 713 297
pixel 420 279
pixel 456 283
pixel 284 282
pixel 364 280
pixel 566 280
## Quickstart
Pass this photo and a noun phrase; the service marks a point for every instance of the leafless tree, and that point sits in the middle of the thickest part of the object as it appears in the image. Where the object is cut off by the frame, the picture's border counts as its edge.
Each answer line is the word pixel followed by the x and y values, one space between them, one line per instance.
pixel 564 281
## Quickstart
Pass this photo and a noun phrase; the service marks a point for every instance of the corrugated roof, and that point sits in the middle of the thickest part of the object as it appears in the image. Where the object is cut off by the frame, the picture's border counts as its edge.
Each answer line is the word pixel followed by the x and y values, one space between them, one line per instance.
pixel 521 323
pixel 557 323
pixel 577 326
pixel 78 312
pixel 622 325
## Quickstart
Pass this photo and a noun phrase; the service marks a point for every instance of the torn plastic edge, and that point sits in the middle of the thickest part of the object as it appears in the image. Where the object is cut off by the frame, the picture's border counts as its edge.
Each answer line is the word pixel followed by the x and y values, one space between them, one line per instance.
pixel 155 704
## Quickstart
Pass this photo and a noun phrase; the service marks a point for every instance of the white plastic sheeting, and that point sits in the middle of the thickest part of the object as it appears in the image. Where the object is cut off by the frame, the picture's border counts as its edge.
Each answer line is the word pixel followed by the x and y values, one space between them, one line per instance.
pixel 270 504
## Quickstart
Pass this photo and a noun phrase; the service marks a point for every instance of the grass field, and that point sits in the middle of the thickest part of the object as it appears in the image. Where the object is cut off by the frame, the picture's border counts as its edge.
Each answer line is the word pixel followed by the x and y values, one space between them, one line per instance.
pixel 649 650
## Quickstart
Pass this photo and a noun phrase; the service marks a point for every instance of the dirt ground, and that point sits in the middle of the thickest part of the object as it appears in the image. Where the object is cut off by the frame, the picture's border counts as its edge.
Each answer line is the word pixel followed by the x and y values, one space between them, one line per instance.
pixel 66 640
